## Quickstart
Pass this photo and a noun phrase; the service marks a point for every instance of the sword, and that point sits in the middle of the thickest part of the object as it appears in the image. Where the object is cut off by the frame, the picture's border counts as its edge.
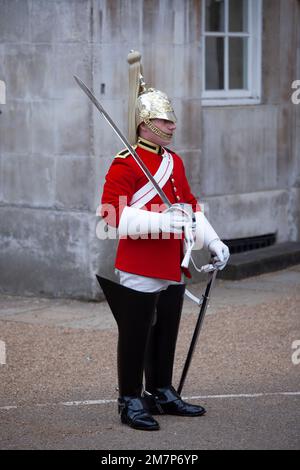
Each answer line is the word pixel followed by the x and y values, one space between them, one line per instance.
pixel 199 323
pixel 123 139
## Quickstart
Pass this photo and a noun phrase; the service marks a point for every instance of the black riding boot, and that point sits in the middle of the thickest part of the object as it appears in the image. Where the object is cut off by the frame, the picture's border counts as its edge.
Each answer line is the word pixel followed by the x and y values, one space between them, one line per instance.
pixel 162 397
pixel 133 312
pixel 163 337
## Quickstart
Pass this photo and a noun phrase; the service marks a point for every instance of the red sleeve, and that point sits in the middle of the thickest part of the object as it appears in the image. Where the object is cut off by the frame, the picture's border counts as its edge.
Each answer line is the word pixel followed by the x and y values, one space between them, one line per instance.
pixel 118 190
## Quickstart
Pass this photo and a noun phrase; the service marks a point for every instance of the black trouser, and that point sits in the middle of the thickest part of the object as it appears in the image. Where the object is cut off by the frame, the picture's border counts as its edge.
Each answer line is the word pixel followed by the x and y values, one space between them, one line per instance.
pixel 140 339
pixel 134 313
pixel 163 337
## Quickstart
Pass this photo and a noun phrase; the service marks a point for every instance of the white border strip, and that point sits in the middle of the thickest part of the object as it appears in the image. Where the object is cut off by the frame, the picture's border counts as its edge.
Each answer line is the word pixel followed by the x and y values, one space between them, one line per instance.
pixel 197 397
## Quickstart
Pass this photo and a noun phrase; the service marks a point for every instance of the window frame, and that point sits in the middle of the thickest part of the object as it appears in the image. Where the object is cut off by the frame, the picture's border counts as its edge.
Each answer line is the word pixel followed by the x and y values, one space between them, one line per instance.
pixel 251 95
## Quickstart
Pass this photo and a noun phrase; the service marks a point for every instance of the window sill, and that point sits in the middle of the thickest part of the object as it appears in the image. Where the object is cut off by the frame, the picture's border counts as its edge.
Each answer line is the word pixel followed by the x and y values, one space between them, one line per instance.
pixel 230 102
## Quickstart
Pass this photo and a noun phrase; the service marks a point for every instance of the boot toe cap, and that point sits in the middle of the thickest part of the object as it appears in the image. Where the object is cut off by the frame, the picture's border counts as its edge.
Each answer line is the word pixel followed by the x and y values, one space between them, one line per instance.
pixel 135 414
pixel 145 423
pixel 168 401
pixel 182 408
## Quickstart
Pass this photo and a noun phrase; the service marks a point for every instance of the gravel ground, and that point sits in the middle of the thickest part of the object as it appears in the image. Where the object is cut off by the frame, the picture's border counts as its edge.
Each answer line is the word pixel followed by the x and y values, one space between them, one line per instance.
pixel 61 351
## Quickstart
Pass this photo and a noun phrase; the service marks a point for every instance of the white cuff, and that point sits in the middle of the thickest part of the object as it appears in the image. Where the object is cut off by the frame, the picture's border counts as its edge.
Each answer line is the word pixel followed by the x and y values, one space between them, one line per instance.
pixel 209 233
pixel 137 222
pixel 199 231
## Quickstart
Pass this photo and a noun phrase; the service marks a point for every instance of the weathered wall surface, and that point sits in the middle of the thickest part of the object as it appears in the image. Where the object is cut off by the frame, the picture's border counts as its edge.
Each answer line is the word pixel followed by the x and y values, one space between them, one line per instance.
pixel 47 162
pixel 55 149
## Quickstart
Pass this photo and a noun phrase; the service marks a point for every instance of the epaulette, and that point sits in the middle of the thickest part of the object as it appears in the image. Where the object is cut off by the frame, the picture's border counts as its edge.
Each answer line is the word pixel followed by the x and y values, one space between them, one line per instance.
pixel 124 153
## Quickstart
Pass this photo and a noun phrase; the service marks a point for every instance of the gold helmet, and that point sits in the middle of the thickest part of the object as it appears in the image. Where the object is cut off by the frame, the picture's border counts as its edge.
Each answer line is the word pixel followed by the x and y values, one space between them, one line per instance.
pixel 145 103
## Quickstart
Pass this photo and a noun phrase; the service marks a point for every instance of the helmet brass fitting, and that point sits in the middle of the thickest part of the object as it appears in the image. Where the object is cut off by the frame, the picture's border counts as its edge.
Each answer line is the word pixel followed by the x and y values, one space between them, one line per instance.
pixel 145 103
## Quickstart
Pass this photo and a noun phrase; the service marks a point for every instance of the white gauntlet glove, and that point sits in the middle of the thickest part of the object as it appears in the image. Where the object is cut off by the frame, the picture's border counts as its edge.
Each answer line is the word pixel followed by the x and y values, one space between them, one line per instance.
pixel 220 253
pixel 136 222
pixel 174 220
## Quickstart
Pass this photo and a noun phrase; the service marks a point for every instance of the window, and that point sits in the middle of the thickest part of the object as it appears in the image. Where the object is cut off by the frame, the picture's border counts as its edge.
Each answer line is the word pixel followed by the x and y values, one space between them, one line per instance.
pixel 231 51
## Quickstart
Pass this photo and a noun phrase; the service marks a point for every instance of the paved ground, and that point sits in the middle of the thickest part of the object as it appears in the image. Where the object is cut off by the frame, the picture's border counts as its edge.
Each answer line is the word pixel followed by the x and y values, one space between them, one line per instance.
pixel 58 384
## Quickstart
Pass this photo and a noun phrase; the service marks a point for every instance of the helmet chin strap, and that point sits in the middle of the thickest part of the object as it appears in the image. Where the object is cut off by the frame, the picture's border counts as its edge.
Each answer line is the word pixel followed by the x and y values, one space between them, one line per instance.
pixel 156 130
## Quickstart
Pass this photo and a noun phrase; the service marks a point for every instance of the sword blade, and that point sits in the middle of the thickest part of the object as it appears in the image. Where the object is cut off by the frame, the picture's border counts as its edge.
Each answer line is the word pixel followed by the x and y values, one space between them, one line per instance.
pixel 123 139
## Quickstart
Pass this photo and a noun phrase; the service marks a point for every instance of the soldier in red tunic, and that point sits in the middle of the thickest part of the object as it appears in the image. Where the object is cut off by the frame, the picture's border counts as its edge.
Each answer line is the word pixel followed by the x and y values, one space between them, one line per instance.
pixel 148 301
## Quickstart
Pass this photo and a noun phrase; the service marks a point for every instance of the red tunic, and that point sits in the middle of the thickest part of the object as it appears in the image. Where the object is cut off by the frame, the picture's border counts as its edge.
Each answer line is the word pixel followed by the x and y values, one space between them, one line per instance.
pixel 157 258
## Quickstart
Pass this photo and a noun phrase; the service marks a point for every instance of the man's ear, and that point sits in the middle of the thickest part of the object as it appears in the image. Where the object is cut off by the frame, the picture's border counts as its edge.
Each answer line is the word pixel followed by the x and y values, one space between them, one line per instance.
pixel 143 130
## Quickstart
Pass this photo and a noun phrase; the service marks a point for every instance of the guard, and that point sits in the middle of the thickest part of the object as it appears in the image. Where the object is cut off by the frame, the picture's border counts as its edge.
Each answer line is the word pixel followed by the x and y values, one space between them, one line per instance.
pixel 155 244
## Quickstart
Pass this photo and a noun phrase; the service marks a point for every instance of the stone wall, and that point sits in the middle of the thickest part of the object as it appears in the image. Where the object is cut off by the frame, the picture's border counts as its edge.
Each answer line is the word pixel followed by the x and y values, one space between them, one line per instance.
pixel 54 147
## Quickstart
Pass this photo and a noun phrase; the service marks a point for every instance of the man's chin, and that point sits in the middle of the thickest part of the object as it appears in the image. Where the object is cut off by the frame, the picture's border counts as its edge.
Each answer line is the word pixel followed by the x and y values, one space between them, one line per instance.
pixel 168 137
pixel 162 140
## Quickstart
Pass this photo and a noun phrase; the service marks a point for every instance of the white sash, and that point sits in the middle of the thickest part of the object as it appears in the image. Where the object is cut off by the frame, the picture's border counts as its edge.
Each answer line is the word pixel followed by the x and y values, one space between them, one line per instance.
pixel 147 192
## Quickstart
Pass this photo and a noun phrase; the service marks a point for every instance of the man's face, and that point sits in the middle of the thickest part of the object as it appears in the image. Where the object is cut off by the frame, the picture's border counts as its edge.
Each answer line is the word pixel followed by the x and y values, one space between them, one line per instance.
pixel 168 127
